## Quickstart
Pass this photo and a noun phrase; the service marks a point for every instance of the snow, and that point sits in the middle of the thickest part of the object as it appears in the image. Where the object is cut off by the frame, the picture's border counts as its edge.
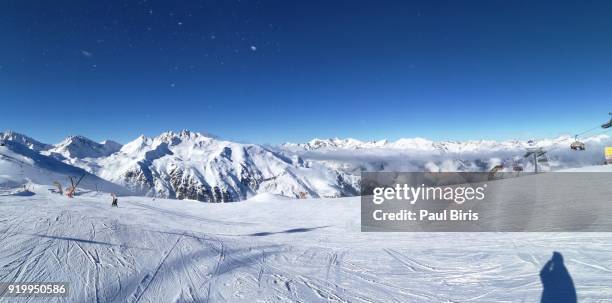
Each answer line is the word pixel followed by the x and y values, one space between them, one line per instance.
pixel 418 154
pixel 591 169
pixel 21 166
pixel 425 145
pixel 23 140
pixel 198 161
pixel 271 249
pixel 80 147
pixel 266 197
pixel 191 165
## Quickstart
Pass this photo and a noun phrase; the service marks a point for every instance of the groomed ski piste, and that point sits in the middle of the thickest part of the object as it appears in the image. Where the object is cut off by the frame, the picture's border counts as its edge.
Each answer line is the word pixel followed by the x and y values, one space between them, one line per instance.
pixel 272 249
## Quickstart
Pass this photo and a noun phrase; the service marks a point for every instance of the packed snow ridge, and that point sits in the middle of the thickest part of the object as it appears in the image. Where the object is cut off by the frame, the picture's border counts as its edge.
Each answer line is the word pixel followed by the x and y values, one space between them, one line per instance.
pixel 196 166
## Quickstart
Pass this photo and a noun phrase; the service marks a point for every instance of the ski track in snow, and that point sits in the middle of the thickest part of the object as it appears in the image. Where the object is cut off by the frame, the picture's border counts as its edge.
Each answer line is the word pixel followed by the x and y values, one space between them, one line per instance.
pixel 273 251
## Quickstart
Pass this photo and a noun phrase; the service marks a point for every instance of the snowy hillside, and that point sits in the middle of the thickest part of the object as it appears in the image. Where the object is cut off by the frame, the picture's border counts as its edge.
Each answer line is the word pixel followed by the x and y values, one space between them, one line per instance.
pixel 273 250
pixel 20 165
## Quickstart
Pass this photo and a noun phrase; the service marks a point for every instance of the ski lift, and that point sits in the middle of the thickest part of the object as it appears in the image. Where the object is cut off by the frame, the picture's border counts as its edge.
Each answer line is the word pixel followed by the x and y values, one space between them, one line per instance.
pixel 493 172
pixel 609 124
pixel 539 157
pixel 577 145
pixel 517 167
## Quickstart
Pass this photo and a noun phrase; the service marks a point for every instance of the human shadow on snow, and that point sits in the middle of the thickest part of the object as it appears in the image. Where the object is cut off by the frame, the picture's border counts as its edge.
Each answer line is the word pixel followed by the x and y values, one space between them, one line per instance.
pixel 557 283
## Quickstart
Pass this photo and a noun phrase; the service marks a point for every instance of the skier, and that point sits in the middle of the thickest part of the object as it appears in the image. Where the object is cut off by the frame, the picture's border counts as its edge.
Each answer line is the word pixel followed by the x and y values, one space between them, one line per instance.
pixel 114 200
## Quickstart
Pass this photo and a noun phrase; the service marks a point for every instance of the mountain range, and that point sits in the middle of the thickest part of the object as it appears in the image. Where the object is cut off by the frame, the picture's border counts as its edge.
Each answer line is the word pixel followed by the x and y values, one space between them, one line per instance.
pixel 181 165
pixel 202 167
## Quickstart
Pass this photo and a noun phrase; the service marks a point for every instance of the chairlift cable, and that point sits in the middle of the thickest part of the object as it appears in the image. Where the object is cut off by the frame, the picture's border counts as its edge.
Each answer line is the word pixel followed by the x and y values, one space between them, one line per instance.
pixel 588 131
pixel 603 132
pixel 597 134
pixel 557 143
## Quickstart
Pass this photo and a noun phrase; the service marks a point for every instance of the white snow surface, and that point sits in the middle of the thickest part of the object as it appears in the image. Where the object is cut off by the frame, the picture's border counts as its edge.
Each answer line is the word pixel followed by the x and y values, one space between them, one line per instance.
pixel 274 250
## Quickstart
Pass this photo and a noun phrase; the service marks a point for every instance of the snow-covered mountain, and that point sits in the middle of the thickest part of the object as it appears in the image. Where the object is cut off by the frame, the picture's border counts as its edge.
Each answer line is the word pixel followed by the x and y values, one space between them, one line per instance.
pixel 23 140
pixel 80 147
pixel 334 144
pixel 19 165
pixel 189 165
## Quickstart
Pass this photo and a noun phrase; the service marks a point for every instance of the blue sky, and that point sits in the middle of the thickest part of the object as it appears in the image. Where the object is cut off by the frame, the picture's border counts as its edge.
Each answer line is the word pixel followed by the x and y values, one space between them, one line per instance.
pixel 276 71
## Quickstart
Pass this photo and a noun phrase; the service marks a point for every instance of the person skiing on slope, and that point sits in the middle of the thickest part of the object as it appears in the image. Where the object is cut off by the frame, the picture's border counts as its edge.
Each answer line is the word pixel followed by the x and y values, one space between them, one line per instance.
pixel 114 200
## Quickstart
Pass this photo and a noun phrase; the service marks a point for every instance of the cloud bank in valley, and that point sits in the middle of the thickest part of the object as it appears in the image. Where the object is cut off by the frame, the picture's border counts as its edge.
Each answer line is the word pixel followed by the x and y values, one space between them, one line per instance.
pixel 424 155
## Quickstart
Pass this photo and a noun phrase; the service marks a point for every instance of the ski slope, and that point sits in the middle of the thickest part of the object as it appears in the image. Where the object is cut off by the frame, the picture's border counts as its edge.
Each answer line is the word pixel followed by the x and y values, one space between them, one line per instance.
pixel 272 249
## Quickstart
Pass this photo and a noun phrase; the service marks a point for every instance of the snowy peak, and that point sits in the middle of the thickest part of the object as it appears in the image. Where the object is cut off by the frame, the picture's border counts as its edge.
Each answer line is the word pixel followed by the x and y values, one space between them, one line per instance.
pixel 174 138
pixel 192 165
pixel 185 138
pixel 335 144
pixel 184 135
pixel 79 147
pixel 169 138
pixel 23 140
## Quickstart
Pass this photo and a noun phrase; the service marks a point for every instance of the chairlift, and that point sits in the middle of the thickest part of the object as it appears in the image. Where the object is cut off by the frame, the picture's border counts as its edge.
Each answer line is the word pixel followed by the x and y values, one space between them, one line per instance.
pixel 609 124
pixel 577 145
pixel 496 168
pixel 539 156
pixel 493 172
